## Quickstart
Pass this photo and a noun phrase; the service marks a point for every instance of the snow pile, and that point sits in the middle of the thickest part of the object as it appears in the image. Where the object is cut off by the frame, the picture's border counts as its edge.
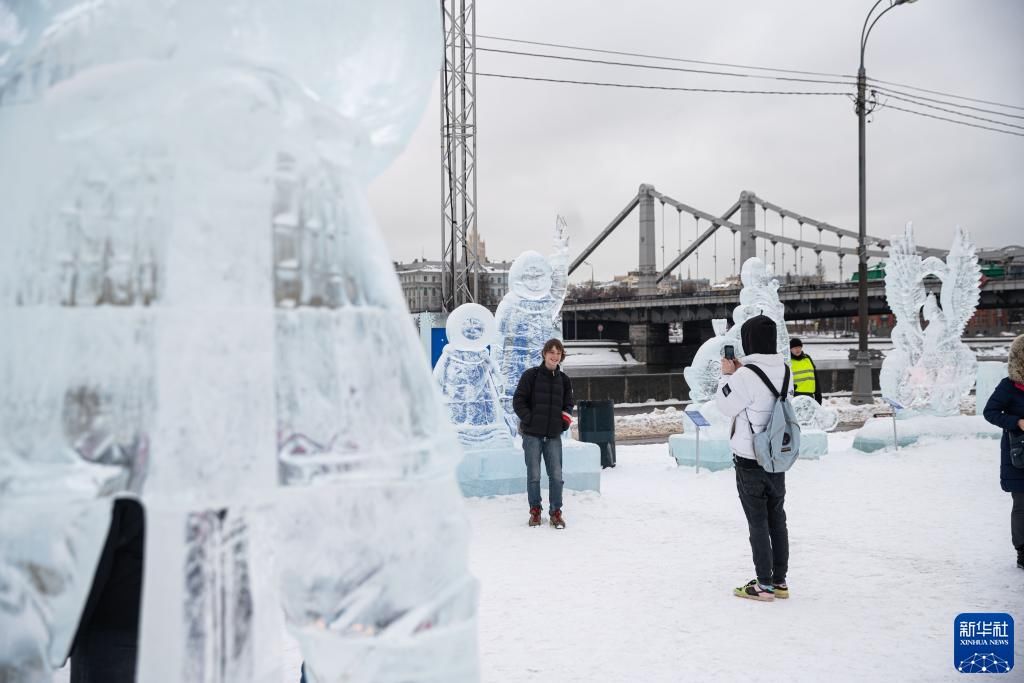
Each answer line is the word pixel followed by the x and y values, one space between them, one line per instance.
pixel 595 358
pixel 857 414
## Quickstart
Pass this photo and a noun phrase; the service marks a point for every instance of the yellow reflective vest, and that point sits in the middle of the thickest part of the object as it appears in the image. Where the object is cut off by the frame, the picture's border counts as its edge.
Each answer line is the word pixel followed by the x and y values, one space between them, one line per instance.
pixel 803 374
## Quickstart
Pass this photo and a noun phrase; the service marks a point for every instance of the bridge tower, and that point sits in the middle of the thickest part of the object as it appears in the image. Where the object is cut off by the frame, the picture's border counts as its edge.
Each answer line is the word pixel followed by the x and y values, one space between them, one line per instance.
pixel 460 268
pixel 748 218
pixel 648 265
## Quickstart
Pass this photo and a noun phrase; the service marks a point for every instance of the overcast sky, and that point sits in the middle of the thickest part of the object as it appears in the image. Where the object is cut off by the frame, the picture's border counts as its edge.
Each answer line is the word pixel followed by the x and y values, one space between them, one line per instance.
pixel 582 151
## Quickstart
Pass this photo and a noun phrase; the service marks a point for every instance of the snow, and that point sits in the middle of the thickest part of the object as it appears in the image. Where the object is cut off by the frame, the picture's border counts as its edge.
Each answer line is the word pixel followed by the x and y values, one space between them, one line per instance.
pixel 592 358
pixel 886 551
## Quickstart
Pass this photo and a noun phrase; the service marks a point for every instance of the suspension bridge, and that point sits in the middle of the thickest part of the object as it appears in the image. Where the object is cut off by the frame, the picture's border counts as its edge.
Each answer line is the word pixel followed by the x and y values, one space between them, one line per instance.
pixel 643 319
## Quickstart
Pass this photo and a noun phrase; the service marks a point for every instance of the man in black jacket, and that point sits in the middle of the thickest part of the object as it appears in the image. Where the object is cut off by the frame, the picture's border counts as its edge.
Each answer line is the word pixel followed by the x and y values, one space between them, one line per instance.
pixel 543 403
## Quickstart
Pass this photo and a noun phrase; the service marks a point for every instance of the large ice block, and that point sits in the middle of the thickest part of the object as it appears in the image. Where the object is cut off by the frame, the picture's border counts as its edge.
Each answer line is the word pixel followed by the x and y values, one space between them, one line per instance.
pixel 877 433
pixel 499 472
pixel 715 453
pixel 990 373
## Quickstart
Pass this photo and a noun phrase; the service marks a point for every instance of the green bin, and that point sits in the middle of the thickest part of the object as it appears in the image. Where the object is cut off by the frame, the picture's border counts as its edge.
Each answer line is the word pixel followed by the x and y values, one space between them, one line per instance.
pixel 597 426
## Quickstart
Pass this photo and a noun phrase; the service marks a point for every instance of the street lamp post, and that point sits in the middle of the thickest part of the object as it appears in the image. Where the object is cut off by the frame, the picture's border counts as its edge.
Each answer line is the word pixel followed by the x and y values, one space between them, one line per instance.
pixel 862 385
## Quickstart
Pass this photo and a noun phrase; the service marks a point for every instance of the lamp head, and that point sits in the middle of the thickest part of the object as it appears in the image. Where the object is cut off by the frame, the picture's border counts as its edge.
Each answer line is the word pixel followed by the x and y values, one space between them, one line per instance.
pixel 903 2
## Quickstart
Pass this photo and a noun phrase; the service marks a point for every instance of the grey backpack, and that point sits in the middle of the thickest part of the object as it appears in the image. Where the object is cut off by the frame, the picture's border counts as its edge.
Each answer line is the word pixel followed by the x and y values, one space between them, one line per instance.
pixel 778 446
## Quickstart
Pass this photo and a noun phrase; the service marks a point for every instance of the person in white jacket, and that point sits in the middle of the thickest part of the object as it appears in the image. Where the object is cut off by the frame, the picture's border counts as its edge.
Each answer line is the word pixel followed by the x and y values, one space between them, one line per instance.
pixel 744 396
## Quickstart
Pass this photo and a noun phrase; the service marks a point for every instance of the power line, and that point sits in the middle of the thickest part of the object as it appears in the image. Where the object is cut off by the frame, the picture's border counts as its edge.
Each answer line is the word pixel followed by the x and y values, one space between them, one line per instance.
pixel 951 104
pixel 943 118
pixel 660 68
pixel 945 94
pixel 759 68
pixel 661 57
pixel 738 92
pixel 950 111
pixel 659 87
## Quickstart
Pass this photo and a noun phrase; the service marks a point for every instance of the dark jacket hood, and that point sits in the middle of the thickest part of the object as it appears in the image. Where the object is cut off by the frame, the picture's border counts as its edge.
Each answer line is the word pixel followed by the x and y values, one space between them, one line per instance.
pixel 758 335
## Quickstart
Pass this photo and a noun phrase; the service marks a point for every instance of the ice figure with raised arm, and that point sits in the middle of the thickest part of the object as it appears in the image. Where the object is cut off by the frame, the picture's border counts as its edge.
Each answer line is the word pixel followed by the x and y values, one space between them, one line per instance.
pixel 197 311
pixel 470 380
pixel 930 369
pixel 759 296
pixel 530 313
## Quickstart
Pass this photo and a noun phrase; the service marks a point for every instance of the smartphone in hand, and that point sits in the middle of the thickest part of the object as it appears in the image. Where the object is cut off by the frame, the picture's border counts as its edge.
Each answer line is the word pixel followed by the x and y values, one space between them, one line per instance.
pixel 730 352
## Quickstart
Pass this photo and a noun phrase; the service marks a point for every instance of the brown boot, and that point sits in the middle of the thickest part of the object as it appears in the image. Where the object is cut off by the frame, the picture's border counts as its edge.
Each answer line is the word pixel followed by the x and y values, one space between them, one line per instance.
pixel 534 516
pixel 556 520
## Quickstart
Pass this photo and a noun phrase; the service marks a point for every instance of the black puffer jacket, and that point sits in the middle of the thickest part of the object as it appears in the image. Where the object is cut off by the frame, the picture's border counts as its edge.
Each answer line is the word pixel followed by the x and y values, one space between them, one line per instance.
pixel 541 397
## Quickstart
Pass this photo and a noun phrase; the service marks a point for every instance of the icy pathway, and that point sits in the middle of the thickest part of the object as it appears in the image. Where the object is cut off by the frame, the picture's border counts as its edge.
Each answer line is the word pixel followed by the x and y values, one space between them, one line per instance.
pixel 886 551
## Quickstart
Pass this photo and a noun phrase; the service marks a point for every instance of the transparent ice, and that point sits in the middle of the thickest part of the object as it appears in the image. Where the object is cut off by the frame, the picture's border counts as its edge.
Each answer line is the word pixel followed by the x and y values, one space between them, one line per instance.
pixel 811 415
pixel 930 368
pixel 759 296
pixel 530 313
pixel 197 310
pixel 470 380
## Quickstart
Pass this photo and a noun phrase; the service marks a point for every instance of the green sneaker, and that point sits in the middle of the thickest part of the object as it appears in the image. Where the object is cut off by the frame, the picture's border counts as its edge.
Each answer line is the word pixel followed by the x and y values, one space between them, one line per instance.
pixel 781 590
pixel 752 590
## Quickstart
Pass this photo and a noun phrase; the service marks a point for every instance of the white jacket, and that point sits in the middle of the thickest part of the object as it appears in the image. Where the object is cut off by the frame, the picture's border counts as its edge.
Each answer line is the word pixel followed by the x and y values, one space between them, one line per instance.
pixel 744 396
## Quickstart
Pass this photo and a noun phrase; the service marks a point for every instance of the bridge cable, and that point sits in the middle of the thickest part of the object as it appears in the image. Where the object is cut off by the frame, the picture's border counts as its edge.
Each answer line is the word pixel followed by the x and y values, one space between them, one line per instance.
pixel 679 242
pixel 663 261
pixel 696 252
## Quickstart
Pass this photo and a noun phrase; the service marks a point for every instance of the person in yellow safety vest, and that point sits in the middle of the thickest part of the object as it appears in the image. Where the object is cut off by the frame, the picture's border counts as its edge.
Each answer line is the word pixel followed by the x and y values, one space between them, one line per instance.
pixel 805 375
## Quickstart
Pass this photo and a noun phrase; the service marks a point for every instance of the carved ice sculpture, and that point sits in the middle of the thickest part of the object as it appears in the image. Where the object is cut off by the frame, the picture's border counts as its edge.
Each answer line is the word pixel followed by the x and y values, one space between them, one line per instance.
pixel 530 313
pixel 811 415
pixel 930 369
pixel 759 296
pixel 470 379
pixel 197 310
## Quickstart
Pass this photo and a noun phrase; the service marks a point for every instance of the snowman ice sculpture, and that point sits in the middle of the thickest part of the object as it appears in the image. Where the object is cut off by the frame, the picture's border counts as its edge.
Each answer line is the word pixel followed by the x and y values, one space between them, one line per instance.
pixel 197 311
pixel 529 314
pixel 470 380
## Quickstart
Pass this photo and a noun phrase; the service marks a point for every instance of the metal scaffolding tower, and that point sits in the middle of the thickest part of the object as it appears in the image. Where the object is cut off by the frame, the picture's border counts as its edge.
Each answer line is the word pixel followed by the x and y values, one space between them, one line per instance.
pixel 459 238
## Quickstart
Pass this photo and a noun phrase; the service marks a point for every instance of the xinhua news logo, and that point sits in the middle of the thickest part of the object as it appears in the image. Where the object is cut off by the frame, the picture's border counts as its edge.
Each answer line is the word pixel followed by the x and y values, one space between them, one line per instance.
pixel 983 643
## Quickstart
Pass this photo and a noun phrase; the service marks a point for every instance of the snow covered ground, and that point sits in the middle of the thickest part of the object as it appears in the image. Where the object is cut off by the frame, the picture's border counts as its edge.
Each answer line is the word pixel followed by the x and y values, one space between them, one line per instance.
pixel 886 550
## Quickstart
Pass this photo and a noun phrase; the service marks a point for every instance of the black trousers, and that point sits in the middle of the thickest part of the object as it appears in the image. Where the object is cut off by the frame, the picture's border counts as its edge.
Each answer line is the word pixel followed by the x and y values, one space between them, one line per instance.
pixel 1017 521
pixel 763 496
pixel 104 649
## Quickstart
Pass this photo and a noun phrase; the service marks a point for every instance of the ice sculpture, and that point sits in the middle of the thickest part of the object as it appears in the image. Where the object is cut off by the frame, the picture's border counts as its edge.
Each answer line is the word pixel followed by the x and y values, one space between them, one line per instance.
pixel 197 310
pixel 759 296
pixel 811 415
pixel 530 313
pixel 930 369
pixel 470 379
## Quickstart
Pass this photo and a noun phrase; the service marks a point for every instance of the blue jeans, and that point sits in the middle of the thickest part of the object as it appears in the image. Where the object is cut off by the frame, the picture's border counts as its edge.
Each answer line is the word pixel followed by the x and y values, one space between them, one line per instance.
pixel 551 448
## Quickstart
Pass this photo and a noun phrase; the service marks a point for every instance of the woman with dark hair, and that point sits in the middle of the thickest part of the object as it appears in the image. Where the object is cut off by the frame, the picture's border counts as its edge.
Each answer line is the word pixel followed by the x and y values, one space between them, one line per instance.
pixel 1006 409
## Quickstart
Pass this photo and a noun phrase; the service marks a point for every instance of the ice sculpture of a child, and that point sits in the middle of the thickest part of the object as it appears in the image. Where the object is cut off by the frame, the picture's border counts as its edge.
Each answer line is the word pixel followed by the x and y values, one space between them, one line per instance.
pixel 529 314
pixel 470 379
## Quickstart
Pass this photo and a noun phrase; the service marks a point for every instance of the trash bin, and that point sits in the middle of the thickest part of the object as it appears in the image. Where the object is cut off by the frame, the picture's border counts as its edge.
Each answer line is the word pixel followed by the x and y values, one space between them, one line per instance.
pixel 597 426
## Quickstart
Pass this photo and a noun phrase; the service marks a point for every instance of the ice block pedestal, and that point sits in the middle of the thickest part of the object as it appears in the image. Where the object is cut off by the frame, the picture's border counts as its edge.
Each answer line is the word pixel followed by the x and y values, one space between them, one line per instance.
pixel 715 454
pixel 877 433
pixel 989 375
pixel 499 472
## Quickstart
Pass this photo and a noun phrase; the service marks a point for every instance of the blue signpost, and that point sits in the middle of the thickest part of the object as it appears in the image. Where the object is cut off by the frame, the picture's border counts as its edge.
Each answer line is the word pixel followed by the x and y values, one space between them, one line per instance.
pixel 698 421
pixel 896 407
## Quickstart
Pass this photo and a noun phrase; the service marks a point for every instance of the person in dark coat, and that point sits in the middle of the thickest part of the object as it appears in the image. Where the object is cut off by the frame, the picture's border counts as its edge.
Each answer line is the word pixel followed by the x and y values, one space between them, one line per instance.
pixel 106 643
pixel 1006 409
pixel 543 402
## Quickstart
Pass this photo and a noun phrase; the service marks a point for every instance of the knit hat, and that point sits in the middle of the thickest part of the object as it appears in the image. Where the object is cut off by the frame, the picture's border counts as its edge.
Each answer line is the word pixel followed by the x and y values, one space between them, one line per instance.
pixel 758 335
pixel 795 341
pixel 1015 366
